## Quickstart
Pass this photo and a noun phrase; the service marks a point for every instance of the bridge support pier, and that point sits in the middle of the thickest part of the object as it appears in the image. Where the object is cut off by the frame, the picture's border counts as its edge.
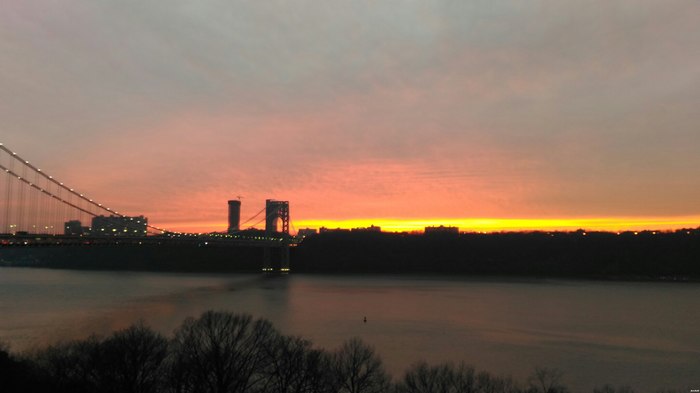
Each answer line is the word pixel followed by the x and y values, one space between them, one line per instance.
pixel 276 211
pixel 276 258
pixel 284 260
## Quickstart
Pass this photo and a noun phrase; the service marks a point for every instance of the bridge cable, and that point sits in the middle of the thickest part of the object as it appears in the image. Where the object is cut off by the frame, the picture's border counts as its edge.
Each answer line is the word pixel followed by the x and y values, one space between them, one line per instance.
pixel 267 216
pixel 10 182
pixel 49 193
pixel 82 204
pixel 261 220
pixel 251 218
pixel 80 197
pixel 55 211
pixel 34 198
pixel 34 186
pixel 22 219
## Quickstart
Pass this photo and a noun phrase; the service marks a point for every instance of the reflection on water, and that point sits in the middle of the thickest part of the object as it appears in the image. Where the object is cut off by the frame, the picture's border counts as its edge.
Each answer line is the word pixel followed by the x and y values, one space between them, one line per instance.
pixel 643 334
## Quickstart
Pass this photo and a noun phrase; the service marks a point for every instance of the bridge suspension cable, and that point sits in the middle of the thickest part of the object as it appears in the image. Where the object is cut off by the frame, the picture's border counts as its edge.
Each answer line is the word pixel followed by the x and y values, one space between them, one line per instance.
pixel 264 219
pixel 257 223
pixel 252 218
pixel 75 200
pixel 36 202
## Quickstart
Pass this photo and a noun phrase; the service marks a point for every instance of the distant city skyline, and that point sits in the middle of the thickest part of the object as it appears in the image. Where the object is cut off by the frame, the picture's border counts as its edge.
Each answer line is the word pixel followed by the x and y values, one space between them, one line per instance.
pixel 483 115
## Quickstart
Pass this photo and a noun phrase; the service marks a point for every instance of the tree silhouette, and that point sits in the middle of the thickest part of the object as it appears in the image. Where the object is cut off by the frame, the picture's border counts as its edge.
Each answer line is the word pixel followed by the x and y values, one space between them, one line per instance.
pixel 220 352
pixel 489 383
pixel 16 374
pixel 612 389
pixel 133 360
pixel 443 378
pixel 546 380
pixel 73 366
pixel 295 367
pixel 224 352
pixel 357 369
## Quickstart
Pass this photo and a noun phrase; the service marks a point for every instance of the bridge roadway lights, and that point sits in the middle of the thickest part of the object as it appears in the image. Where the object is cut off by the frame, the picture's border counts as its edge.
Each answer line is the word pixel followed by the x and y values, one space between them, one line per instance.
pixel 269 270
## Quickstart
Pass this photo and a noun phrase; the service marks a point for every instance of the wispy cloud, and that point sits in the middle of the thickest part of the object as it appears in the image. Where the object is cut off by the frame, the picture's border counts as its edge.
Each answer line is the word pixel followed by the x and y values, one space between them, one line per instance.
pixel 360 109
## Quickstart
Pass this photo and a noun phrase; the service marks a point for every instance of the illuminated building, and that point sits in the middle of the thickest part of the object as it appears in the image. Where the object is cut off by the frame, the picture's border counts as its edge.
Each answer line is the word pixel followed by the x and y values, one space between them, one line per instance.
pixel 73 228
pixel 306 232
pixel 332 230
pixel 119 226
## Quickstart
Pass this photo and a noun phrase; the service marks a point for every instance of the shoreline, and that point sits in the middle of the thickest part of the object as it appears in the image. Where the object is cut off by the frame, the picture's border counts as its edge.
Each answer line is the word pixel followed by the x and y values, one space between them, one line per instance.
pixel 647 257
pixel 384 275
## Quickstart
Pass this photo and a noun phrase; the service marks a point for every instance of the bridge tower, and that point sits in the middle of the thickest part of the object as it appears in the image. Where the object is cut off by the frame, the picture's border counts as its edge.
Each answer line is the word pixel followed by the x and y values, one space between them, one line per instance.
pixel 274 211
pixel 234 216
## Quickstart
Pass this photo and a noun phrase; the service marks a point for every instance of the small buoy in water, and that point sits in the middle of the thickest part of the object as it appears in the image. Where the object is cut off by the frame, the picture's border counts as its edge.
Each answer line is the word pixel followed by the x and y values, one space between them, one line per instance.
pixel 365 320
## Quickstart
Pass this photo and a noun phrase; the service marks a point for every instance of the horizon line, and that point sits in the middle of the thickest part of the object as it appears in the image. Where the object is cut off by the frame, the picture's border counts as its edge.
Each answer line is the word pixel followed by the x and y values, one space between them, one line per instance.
pixel 480 225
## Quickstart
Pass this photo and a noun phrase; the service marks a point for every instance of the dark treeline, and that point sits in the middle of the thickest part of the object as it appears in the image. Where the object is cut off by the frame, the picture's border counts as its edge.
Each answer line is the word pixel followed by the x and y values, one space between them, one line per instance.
pixel 645 255
pixel 598 255
pixel 223 352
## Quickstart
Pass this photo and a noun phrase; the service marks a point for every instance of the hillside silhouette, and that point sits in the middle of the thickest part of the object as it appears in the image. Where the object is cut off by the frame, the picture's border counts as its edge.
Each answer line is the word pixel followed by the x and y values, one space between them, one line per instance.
pixel 644 254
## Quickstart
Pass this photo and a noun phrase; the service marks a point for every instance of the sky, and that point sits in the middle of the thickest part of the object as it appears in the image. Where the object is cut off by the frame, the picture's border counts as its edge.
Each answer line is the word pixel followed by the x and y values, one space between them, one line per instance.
pixel 487 115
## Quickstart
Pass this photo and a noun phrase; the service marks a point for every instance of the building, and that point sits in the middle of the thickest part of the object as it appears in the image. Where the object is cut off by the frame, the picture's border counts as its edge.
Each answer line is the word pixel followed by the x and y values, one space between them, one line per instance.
pixel 73 228
pixel 119 226
pixel 306 232
pixel 332 230
pixel 442 231
pixel 371 228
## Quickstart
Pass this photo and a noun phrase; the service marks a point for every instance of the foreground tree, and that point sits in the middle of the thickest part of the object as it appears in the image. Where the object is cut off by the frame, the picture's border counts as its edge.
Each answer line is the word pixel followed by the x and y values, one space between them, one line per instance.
pixel 224 352
pixel 74 366
pixel 133 360
pixel 17 374
pixel 8 382
pixel 294 367
pixel 443 378
pixel 357 369
pixel 489 383
pixel 612 389
pixel 220 352
pixel 546 380
pixel 129 361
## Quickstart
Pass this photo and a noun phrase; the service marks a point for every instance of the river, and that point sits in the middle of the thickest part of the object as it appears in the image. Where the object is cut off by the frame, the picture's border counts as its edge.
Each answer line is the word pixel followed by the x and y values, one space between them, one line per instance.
pixel 642 334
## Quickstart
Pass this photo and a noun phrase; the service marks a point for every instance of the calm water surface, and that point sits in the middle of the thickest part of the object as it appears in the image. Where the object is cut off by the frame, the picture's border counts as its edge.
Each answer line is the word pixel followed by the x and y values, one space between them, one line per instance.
pixel 646 335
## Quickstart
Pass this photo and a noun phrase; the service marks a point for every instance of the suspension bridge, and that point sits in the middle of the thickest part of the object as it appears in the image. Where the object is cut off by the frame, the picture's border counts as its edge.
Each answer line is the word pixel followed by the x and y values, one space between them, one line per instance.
pixel 39 210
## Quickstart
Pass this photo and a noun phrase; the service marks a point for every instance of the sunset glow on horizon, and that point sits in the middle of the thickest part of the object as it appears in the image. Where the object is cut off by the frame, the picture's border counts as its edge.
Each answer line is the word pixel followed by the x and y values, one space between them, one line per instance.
pixel 516 225
pixel 484 225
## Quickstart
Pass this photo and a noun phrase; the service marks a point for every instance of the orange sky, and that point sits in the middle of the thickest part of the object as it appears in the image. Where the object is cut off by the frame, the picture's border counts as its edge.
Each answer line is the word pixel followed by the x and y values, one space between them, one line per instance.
pixel 487 116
